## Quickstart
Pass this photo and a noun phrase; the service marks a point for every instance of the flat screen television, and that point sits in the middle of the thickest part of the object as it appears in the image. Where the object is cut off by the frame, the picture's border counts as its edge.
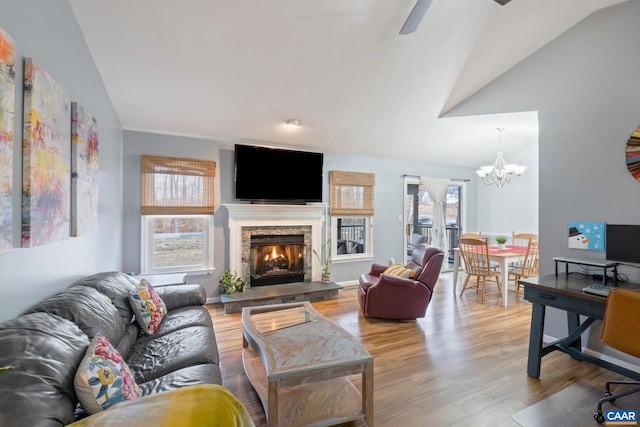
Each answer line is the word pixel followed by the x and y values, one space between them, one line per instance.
pixel 623 243
pixel 273 175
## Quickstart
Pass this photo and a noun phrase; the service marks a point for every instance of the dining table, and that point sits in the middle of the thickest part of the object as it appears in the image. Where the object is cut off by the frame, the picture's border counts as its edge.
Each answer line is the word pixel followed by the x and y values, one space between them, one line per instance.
pixel 503 256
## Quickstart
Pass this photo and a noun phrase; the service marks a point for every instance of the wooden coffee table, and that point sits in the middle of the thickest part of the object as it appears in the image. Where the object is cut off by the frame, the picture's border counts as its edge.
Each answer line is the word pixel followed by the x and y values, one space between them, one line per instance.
pixel 301 363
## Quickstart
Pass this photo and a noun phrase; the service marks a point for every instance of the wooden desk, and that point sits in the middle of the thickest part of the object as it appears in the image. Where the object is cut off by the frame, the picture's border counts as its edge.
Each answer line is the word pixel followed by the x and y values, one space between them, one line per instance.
pixel 503 256
pixel 565 293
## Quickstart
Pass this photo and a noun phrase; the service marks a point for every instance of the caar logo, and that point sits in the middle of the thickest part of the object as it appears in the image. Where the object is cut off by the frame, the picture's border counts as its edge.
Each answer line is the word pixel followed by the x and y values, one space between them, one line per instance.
pixel 621 417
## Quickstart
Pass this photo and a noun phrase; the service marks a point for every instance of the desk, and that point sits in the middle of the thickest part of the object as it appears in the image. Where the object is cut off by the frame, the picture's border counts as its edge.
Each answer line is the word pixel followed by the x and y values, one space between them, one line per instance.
pixel 503 256
pixel 565 293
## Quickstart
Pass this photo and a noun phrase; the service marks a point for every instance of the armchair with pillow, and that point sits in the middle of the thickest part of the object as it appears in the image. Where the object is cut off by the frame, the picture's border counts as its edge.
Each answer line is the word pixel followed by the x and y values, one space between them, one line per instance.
pixel 401 293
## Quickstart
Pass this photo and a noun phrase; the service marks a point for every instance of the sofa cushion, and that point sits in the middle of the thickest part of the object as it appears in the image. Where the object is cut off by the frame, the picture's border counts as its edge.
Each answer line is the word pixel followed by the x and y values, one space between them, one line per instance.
pixel 91 310
pixel 46 351
pixel 103 378
pixel 147 306
pixel 198 374
pixel 152 357
pixel 116 286
pixel 184 317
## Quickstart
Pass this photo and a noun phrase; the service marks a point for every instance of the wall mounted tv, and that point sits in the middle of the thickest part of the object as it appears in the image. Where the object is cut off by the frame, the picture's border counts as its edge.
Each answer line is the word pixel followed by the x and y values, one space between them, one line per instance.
pixel 623 243
pixel 273 175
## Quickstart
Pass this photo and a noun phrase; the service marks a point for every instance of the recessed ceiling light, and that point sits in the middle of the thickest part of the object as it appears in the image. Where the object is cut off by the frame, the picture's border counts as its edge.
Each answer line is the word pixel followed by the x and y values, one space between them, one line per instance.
pixel 293 122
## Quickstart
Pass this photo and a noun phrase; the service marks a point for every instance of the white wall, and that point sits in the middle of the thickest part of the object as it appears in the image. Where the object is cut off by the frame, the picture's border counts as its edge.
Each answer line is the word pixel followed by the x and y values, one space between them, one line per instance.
pixel 46 31
pixel 513 207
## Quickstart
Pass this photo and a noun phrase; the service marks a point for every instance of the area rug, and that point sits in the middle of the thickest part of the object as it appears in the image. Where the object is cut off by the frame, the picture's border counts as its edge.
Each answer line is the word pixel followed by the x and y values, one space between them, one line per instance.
pixel 572 407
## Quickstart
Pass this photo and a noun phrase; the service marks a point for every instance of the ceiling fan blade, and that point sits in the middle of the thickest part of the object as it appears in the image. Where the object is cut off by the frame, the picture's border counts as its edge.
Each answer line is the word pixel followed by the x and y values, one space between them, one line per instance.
pixel 502 2
pixel 416 15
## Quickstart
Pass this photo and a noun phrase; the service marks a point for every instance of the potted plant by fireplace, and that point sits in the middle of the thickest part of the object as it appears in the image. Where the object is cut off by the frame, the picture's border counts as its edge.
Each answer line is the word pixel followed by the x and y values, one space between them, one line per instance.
pixel 324 258
pixel 230 282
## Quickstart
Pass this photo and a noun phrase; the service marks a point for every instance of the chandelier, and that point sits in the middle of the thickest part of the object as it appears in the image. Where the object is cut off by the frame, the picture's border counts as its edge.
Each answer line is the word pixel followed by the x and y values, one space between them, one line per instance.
pixel 499 173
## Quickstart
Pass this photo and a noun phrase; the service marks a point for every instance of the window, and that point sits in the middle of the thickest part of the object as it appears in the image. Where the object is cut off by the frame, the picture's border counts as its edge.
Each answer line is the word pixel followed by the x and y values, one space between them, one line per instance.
pixel 176 203
pixel 352 211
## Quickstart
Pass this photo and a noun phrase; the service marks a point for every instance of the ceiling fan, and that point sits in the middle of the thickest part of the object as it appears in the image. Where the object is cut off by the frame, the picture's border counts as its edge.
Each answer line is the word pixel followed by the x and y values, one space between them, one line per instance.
pixel 418 11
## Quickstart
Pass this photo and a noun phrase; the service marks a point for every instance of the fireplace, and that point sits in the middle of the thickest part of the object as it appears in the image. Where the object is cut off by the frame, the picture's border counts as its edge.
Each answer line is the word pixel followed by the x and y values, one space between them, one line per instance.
pixel 248 220
pixel 276 259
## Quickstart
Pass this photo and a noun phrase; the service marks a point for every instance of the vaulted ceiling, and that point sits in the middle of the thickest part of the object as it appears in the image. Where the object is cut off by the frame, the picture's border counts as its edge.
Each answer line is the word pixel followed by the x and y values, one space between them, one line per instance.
pixel 237 69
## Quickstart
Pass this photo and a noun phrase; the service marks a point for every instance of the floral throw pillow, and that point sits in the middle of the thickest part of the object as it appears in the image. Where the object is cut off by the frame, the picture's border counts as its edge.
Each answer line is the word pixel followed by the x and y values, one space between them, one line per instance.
pixel 103 377
pixel 148 307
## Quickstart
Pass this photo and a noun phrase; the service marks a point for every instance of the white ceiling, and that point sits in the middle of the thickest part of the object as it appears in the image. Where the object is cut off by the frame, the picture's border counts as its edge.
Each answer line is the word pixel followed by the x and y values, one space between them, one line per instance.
pixel 237 69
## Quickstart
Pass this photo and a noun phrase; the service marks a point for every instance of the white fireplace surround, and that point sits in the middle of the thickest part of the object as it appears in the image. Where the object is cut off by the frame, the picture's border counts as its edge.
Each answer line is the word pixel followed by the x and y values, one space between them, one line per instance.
pixel 259 215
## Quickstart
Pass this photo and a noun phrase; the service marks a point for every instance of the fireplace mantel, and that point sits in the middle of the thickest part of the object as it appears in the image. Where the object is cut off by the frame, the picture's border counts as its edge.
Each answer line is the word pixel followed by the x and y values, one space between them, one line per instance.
pixel 257 215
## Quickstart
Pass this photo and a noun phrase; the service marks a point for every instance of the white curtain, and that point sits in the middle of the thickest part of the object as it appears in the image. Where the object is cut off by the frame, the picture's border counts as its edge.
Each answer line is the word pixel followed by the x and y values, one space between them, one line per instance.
pixel 437 189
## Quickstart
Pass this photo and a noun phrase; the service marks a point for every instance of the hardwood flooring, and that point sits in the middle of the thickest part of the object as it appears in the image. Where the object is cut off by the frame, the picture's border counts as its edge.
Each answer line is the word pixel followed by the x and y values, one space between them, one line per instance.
pixel 464 364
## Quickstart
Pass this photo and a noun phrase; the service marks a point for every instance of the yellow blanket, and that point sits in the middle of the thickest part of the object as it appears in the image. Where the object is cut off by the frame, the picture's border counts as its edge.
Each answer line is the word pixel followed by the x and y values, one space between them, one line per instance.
pixel 204 405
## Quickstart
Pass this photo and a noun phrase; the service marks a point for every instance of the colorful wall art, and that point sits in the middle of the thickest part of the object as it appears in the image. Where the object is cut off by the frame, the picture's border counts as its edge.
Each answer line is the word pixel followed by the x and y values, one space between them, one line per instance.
pixel 46 158
pixel 84 172
pixel 586 235
pixel 7 116
pixel 632 154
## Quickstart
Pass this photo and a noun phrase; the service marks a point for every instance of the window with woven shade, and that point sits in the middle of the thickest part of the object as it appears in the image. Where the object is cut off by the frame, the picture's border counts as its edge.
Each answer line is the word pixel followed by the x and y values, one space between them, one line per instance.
pixel 352 212
pixel 177 206
pixel 174 185
pixel 351 193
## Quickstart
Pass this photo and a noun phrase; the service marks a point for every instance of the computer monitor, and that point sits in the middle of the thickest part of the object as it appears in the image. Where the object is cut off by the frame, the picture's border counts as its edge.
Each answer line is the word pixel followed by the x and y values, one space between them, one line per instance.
pixel 623 243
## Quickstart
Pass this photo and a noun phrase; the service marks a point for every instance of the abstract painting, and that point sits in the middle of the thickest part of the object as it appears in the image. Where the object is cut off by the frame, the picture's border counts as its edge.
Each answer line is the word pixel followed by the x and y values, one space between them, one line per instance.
pixel 46 158
pixel 84 172
pixel 7 115
pixel 586 235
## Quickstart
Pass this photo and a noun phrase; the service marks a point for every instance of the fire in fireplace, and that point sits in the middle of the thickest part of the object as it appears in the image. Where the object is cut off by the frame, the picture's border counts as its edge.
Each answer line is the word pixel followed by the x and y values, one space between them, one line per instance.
pixel 276 259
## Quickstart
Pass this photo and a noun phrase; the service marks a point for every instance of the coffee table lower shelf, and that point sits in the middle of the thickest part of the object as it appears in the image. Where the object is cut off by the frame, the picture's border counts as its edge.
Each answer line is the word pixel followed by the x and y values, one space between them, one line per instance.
pixel 321 403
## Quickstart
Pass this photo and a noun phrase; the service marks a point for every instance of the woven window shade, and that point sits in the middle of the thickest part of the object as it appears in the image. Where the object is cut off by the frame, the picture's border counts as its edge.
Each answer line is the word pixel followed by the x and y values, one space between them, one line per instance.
pixel 176 186
pixel 351 193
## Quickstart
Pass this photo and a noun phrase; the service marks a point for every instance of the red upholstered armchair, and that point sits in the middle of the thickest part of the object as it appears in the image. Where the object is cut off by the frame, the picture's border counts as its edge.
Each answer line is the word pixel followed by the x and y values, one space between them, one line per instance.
pixel 392 297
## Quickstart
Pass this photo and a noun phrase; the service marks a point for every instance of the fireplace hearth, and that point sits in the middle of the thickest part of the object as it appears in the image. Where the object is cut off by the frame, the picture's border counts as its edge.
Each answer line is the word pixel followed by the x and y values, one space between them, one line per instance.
pixel 276 259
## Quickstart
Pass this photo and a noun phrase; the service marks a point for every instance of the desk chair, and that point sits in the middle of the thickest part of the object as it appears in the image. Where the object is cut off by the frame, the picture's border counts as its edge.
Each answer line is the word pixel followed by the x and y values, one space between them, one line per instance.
pixel 620 330
pixel 475 254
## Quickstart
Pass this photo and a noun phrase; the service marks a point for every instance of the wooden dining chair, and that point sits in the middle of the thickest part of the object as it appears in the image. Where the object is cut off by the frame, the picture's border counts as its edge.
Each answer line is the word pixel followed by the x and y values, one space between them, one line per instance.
pixel 528 267
pixel 522 239
pixel 471 235
pixel 475 254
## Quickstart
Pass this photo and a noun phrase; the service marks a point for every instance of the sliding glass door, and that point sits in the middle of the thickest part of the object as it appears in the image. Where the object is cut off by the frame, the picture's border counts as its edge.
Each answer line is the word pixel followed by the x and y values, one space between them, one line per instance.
pixel 418 215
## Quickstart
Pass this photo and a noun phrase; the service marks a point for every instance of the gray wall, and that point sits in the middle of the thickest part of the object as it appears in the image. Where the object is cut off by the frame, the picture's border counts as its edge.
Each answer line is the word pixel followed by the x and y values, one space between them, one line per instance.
pixel 46 31
pixel 585 88
pixel 389 198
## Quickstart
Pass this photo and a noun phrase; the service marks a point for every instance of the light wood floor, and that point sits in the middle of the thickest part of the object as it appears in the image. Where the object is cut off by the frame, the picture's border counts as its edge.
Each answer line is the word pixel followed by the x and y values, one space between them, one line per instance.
pixel 464 364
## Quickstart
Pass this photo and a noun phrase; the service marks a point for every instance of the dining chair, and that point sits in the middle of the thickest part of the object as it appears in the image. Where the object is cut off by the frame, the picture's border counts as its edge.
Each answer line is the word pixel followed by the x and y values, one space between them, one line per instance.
pixel 522 239
pixel 475 254
pixel 471 235
pixel 528 267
